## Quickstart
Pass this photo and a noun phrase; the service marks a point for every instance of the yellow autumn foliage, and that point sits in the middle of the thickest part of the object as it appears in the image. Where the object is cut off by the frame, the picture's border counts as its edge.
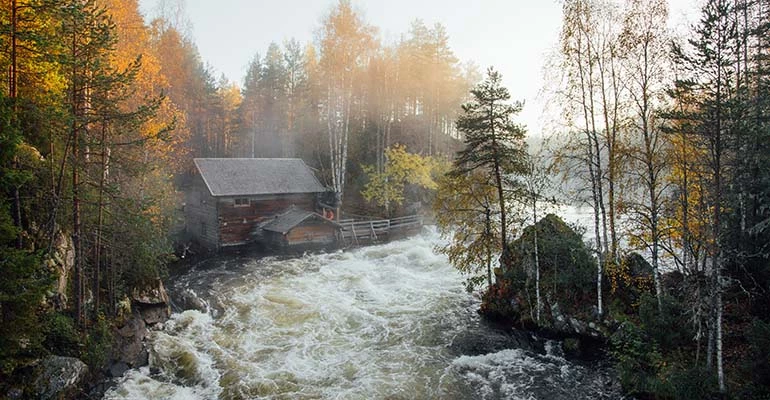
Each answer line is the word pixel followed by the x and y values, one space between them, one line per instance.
pixel 386 188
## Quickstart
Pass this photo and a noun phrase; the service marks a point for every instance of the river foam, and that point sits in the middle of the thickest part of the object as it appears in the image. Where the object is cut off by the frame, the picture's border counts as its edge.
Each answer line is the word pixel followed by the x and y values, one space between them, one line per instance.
pixel 371 323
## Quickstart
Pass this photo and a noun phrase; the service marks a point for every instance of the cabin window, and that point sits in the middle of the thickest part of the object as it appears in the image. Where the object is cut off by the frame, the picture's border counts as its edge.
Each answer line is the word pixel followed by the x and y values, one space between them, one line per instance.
pixel 241 202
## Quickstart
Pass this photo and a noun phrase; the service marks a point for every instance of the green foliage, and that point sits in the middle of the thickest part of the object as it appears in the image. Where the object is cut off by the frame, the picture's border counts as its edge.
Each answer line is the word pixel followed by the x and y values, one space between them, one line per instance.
pixel 144 251
pixel 669 328
pixel 679 383
pixel 22 291
pixel 63 338
pixel 386 188
pixel 24 278
pixel 647 354
pixel 98 342
pixel 465 208
pixel 61 335
pixel 492 140
pixel 637 359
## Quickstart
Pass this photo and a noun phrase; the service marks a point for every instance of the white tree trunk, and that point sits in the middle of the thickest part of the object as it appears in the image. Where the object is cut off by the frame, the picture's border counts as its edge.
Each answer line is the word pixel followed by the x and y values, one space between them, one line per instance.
pixel 718 338
pixel 720 364
pixel 537 261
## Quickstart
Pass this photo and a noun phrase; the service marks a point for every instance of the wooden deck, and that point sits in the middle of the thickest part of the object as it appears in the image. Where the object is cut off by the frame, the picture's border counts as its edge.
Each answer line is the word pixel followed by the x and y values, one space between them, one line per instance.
pixel 357 232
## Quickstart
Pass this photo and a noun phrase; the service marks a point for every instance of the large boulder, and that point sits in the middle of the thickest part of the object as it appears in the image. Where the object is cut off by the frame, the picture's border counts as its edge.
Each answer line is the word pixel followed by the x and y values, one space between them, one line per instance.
pixel 567 268
pixel 59 377
pixel 152 294
pixel 491 339
pixel 149 307
pixel 152 303
pixel 129 350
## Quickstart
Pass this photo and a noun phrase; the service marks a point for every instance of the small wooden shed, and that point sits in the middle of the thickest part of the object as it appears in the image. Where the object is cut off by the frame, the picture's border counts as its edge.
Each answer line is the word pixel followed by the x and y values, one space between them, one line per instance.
pixel 229 198
pixel 299 228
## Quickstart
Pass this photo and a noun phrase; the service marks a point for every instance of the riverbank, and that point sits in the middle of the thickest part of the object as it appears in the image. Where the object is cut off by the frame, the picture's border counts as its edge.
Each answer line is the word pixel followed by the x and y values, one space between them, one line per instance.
pixel 385 321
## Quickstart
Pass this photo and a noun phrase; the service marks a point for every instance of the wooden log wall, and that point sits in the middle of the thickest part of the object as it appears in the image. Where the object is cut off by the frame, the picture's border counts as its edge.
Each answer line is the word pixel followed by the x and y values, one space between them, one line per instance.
pixel 237 222
pixel 312 233
pixel 201 214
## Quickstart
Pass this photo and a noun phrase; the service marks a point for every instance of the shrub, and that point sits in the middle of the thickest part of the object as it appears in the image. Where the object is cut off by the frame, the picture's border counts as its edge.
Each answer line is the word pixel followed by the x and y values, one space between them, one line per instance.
pixel 668 328
pixel 22 289
pixel 758 365
pixel 98 343
pixel 61 336
pixel 637 359
pixel 687 384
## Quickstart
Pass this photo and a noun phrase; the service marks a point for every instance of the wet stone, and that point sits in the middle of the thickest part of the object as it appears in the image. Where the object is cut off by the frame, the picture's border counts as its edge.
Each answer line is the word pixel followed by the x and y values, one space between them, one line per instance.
pixel 118 369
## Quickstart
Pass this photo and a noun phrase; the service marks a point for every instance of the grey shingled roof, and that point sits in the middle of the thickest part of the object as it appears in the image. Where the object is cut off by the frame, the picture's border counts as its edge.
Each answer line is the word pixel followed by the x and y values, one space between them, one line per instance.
pixel 252 176
pixel 292 217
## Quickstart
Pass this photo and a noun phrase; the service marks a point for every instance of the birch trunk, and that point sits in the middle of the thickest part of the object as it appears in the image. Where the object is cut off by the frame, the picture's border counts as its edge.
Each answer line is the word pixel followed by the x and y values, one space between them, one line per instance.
pixel 537 260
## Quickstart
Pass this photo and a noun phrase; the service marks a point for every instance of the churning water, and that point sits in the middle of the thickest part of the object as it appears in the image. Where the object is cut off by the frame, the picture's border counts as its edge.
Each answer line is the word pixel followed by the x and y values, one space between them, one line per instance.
pixel 383 322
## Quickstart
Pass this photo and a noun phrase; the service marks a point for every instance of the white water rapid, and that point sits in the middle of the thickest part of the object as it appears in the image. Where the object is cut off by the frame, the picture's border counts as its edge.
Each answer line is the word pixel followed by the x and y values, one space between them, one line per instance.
pixel 391 321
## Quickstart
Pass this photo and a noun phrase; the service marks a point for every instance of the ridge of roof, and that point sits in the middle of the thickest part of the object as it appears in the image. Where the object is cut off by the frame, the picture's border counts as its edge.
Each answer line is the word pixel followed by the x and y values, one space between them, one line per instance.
pixel 255 176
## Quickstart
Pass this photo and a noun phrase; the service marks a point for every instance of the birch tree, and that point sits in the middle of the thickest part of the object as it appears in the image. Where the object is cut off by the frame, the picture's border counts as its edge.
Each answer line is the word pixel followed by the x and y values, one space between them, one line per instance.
pixel 536 182
pixel 346 44
pixel 582 156
pixel 645 60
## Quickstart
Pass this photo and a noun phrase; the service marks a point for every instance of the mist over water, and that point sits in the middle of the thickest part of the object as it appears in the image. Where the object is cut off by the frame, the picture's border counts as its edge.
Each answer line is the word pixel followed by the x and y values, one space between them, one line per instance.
pixel 380 322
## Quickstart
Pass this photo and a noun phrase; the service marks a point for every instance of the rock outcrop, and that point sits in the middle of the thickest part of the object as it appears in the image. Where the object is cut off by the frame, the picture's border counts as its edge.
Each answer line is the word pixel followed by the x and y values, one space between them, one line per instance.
pixel 150 308
pixel 59 377
pixel 568 325
pixel 189 300
pixel 152 303
pixel 129 350
pixel 61 261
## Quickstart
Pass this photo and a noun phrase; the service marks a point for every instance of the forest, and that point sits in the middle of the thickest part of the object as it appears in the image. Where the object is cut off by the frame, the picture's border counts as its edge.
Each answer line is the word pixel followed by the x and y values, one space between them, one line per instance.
pixel 664 138
pixel 103 113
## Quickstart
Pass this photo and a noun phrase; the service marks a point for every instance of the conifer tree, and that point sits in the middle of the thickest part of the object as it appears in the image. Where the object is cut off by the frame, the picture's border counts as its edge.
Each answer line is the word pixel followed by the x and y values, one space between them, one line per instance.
pixel 710 62
pixel 24 279
pixel 494 144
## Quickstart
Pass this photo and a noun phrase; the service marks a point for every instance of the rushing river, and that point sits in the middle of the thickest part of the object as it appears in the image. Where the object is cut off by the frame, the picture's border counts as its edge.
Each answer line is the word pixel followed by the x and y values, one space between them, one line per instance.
pixel 391 321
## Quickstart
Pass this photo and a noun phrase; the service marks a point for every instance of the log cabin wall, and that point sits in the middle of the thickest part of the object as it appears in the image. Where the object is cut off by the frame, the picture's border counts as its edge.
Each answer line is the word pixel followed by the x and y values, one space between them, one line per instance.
pixel 312 232
pixel 201 214
pixel 237 221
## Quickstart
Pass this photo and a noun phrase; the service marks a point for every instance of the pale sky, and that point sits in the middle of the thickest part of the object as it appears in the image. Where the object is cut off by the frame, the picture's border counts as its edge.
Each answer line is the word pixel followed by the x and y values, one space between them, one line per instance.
pixel 514 36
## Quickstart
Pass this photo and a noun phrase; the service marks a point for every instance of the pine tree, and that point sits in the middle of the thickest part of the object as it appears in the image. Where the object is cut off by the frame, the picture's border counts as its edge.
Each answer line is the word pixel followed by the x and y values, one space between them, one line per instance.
pixel 494 144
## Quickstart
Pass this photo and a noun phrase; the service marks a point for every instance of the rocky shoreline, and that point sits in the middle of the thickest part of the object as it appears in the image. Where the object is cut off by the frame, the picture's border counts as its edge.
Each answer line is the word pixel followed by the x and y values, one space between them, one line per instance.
pixel 62 377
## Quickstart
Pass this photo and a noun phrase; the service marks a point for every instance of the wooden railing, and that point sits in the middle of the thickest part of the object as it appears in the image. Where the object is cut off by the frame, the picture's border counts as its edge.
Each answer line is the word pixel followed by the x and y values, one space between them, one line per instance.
pixel 354 231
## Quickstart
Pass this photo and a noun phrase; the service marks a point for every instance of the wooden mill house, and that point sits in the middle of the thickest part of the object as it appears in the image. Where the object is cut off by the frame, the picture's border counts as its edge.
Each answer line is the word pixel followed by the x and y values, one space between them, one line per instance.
pixel 274 201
